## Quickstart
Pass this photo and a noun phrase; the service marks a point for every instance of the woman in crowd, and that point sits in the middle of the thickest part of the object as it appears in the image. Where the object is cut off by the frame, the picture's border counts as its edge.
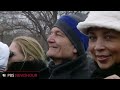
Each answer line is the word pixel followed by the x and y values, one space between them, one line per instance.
pixel 103 29
pixel 27 55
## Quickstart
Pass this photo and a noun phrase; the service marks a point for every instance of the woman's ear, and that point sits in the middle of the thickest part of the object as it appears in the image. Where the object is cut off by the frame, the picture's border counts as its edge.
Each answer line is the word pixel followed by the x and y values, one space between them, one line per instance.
pixel 30 58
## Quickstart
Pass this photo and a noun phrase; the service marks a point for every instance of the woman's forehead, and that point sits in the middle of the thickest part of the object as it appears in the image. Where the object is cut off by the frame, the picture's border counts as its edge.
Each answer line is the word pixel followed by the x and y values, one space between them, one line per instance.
pixel 99 29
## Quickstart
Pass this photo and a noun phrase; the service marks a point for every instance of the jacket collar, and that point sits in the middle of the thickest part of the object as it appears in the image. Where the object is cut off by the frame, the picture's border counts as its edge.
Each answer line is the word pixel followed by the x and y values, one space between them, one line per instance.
pixel 68 65
pixel 26 66
pixel 100 73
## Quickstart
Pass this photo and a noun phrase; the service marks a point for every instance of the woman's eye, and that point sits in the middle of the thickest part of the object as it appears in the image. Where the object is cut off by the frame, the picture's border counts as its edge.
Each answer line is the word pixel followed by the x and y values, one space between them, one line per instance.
pixel 109 37
pixel 92 37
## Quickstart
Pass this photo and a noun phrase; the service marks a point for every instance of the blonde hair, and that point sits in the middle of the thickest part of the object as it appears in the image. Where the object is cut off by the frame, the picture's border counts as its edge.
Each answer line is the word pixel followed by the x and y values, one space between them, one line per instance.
pixel 30 47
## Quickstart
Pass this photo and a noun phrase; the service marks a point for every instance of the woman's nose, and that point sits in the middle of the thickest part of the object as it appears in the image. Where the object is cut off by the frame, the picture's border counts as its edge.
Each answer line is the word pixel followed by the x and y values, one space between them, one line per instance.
pixel 99 45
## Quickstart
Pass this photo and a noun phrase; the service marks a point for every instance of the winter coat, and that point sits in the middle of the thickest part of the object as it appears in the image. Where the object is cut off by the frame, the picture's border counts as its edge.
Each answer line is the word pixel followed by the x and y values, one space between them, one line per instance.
pixel 101 74
pixel 30 66
pixel 70 69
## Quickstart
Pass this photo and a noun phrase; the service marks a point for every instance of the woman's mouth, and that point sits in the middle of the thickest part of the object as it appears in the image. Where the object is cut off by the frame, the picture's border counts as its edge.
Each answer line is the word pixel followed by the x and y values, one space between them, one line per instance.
pixel 103 59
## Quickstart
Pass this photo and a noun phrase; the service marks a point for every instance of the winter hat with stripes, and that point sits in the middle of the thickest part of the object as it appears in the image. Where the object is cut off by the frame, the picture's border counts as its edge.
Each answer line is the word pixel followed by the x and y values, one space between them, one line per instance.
pixel 68 24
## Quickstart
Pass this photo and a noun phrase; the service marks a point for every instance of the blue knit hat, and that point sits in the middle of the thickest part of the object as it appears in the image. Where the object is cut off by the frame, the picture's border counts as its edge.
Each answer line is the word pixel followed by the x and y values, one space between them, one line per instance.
pixel 68 24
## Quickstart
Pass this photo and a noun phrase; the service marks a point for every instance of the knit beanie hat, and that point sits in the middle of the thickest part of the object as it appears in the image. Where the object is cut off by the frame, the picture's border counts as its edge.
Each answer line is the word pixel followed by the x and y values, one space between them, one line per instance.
pixel 4 55
pixel 102 19
pixel 68 24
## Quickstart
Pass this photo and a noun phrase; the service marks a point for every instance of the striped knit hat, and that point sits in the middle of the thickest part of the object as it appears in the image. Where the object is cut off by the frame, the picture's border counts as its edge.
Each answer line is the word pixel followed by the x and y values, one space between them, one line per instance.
pixel 67 24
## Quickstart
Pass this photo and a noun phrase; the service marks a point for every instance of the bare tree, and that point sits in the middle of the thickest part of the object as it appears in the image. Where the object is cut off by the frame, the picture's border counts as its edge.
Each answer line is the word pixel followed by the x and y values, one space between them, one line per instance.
pixel 38 23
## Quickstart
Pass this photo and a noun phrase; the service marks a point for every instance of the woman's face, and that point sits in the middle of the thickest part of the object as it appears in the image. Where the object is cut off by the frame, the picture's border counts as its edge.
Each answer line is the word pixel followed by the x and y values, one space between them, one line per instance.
pixel 104 45
pixel 18 56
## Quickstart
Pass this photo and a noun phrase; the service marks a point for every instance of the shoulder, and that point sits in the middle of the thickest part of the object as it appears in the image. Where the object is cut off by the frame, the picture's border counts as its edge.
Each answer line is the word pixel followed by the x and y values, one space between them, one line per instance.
pixel 44 73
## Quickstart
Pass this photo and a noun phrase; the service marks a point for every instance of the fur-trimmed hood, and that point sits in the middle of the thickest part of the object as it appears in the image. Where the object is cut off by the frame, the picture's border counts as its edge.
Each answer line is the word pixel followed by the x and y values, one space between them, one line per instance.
pixel 103 19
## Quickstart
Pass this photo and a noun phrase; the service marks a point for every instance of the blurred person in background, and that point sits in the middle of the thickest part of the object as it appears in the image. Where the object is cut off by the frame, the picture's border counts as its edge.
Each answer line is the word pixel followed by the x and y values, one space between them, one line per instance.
pixel 4 56
pixel 27 55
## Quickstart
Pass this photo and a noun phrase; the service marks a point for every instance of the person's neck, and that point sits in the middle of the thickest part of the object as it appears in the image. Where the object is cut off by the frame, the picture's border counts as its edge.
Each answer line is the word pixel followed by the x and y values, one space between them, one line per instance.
pixel 57 61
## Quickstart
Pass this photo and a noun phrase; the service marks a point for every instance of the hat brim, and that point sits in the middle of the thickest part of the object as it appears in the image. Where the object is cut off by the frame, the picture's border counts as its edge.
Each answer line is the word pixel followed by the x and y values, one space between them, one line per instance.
pixel 83 26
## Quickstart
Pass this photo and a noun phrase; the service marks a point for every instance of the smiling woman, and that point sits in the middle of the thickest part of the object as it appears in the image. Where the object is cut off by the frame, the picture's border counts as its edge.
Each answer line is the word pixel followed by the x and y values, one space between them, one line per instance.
pixel 104 46
pixel 103 30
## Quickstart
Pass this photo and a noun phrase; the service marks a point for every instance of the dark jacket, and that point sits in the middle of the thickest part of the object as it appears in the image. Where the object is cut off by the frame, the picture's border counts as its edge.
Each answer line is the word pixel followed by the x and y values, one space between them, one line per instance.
pixel 70 69
pixel 38 67
pixel 101 74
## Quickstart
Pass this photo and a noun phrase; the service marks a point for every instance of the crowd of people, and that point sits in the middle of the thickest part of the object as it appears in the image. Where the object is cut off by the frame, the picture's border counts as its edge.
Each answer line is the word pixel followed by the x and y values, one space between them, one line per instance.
pixel 80 47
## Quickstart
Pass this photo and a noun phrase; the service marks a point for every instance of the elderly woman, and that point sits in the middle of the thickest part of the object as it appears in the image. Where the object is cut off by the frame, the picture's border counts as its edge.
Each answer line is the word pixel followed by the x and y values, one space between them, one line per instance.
pixel 103 29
